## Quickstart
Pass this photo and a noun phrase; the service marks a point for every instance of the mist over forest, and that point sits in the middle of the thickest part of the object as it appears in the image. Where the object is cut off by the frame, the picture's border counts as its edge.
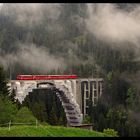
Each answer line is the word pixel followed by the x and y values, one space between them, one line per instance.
pixel 89 40
pixel 47 38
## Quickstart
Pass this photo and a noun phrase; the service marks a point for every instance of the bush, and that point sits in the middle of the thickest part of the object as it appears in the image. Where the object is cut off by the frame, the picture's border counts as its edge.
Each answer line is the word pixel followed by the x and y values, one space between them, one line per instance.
pixel 87 119
pixel 24 115
pixel 7 110
pixel 110 132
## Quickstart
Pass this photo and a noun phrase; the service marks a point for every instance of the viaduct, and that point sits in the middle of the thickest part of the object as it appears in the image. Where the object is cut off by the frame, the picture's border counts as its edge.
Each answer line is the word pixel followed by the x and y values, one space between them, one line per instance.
pixel 74 94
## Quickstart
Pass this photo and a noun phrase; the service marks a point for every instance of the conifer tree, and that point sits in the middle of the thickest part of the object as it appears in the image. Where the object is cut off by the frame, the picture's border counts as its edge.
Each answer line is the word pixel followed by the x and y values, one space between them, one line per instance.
pixel 3 83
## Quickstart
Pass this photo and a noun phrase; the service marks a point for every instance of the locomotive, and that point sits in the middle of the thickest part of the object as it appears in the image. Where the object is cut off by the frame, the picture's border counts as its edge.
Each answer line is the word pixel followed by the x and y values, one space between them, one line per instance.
pixel 46 77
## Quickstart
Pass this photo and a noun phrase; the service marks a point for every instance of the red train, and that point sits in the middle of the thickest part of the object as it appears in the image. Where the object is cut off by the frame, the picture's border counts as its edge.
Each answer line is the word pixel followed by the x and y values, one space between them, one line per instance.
pixel 46 77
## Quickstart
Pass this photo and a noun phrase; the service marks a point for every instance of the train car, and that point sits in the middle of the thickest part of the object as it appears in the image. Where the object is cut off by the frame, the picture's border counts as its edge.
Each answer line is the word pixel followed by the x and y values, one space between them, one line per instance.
pixel 46 77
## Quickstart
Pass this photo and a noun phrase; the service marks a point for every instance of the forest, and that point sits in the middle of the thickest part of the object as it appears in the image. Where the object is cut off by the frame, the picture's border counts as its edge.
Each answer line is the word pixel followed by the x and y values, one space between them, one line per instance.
pixel 89 40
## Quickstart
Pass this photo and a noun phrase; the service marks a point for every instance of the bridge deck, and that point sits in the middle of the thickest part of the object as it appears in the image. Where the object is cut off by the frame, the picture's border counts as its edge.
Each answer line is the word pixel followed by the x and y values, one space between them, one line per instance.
pixel 79 79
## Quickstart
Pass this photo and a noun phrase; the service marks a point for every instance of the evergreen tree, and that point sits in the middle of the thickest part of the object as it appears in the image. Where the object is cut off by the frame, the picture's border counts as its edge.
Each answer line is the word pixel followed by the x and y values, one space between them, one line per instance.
pixel 7 110
pixel 3 84
pixel 53 120
pixel 24 115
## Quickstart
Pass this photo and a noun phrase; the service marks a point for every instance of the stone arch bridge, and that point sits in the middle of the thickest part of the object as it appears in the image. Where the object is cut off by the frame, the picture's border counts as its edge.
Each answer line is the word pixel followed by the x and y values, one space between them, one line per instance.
pixel 74 94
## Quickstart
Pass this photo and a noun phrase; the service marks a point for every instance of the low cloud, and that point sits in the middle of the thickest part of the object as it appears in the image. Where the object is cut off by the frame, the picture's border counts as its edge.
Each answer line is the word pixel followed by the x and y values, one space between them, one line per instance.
pixel 31 14
pixel 114 25
pixel 32 57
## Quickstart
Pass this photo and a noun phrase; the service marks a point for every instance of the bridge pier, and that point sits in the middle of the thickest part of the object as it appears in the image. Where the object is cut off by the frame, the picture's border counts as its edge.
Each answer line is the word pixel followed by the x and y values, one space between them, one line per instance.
pixel 90 90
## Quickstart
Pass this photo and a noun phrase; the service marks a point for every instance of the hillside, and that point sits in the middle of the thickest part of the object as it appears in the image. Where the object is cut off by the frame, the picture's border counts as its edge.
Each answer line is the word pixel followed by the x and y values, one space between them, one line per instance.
pixel 47 131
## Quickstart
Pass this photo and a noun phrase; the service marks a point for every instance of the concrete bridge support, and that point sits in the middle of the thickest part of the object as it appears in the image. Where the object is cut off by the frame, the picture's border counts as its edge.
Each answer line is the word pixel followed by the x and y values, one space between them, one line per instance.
pixel 90 90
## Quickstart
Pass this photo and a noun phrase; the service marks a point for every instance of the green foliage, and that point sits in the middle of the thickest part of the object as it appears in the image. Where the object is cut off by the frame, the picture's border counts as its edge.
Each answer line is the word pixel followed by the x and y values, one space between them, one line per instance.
pixel 12 95
pixel 24 115
pixel 110 132
pixel 116 119
pixel 52 115
pixel 80 40
pixel 116 87
pixel 110 79
pixel 131 96
pixel 46 107
pixel 132 129
pixel 38 111
pixel 7 110
pixel 3 83
pixel 87 119
pixel 110 76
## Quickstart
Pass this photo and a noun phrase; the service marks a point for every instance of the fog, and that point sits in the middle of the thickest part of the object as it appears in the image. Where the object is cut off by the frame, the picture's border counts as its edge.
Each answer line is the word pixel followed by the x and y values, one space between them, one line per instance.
pixel 114 25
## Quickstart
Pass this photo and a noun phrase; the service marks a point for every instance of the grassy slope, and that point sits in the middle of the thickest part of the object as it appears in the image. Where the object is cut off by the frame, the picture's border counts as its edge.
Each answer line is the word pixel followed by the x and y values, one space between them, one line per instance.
pixel 47 131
